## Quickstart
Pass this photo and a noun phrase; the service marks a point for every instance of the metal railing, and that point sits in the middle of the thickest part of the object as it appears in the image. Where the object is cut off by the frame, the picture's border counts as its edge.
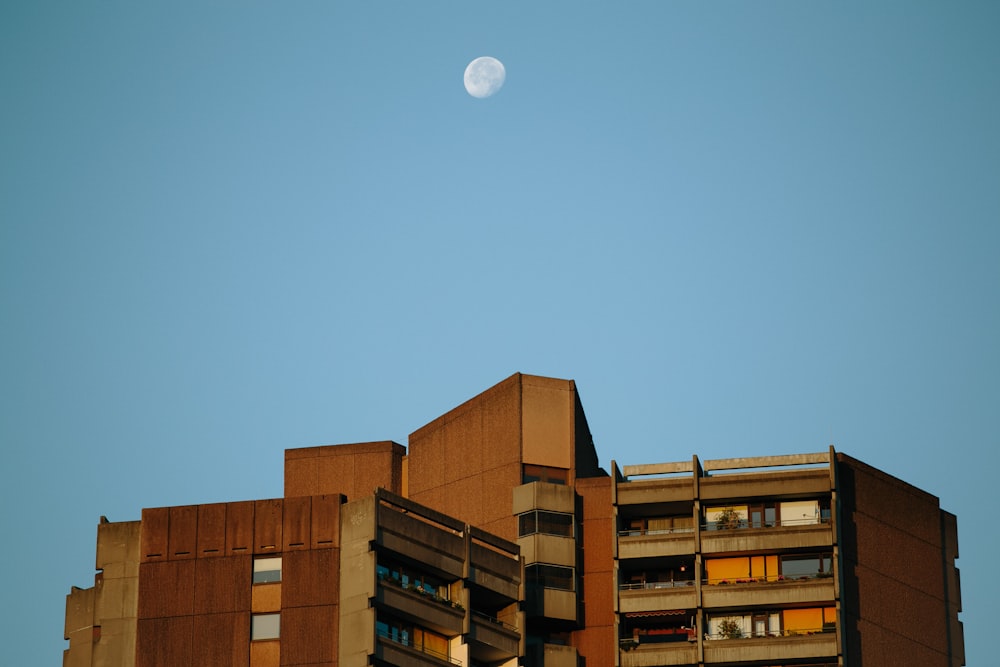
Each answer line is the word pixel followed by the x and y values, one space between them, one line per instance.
pixel 636 532
pixel 772 634
pixel 769 579
pixel 494 621
pixel 740 524
pixel 652 585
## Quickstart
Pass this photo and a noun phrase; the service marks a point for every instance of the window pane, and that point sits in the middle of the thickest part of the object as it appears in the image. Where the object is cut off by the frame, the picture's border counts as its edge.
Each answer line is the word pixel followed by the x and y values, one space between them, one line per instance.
pixel 550 576
pixel 800 566
pixel 265 626
pixel 526 524
pixel 267 570
pixel 554 523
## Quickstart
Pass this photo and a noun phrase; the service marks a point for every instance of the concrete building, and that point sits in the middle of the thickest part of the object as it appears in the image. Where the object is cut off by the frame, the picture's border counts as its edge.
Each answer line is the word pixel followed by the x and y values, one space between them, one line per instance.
pixel 496 539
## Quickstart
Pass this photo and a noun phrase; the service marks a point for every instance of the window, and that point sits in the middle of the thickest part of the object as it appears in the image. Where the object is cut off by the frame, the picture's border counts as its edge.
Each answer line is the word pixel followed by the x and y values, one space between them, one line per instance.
pixel 550 576
pixel 409 578
pixel 657 525
pixel 805 566
pixel 267 570
pixel 265 626
pixel 533 473
pixel 546 523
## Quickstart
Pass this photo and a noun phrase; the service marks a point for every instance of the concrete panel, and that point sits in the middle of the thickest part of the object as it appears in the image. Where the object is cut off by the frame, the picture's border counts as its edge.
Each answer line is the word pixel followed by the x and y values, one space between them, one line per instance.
pixel 222 640
pixel 769 594
pixel 745 486
pixel 309 635
pixel 781 648
pixel 647 546
pixel 173 584
pixel 116 647
pixel 265 598
pixel 165 642
pixel 547 421
pixel 265 653
pixel 548 549
pixel 657 655
pixel 183 539
pixel 118 548
pixel 296 523
pixel 239 527
pixel 326 521
pixel 653 599
pixel 765 539
pixel 310 578
pixel 80 604
pixel 267 526
pixel 652 491
pixel 222 585
pixel 543 496
pixel 211 530
pixel 154 534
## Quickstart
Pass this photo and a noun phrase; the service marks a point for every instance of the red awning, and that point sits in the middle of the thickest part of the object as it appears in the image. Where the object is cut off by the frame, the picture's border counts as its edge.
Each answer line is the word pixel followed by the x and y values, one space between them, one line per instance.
pixel 650 614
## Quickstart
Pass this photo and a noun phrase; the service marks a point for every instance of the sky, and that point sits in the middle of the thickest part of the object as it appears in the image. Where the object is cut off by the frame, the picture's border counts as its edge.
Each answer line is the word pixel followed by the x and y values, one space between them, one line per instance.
pixel 228 229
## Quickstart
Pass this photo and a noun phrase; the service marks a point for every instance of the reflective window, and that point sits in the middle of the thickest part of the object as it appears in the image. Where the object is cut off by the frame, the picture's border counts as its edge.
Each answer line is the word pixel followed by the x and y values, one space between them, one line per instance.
pixel 546 523
pixel 265 626
pixel 267 570
pixel 550 576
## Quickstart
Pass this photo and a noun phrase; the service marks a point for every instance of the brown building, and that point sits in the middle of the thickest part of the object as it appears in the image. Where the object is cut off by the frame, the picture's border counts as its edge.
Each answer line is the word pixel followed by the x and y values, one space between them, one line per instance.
pixel 495 538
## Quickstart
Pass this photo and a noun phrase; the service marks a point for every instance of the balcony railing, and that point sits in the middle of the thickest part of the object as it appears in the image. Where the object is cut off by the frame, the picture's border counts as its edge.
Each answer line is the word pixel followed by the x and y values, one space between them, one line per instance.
pixel 769 579
pixel 653 585
pixel 740 524
pixel 636 532
pixel 772 634
pixel 480 616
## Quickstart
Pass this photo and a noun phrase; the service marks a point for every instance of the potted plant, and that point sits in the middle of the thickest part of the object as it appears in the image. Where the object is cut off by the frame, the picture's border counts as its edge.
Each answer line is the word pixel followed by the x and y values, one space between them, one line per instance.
pixel 729 628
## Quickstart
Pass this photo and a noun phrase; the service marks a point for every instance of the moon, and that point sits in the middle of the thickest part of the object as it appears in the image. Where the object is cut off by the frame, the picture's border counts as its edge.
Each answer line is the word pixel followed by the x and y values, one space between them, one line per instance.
pixel 484 76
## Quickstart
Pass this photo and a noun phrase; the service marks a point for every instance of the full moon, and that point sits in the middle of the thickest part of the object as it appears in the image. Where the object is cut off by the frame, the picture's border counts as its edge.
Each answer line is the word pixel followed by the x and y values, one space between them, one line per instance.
pixel 484 76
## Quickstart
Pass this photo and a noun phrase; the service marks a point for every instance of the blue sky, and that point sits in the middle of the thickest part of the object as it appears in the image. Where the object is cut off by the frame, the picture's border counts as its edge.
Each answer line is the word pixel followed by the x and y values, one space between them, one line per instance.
pixel 227 229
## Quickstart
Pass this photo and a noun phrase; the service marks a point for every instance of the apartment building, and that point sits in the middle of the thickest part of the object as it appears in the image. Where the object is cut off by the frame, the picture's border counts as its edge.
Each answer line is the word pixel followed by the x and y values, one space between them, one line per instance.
pixel 496 539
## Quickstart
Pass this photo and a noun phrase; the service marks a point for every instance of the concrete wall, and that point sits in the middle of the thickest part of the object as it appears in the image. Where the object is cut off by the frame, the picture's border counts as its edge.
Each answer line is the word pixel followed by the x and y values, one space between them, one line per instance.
pixel 101 621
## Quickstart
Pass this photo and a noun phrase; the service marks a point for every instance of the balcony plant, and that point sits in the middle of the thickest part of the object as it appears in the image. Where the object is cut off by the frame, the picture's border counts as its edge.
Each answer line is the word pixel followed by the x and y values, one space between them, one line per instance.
pixel 729 628
pixel 728 519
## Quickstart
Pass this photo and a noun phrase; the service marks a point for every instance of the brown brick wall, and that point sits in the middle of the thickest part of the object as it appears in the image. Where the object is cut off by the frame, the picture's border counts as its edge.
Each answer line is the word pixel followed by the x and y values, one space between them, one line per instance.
pixel 195 582
pixel 894 562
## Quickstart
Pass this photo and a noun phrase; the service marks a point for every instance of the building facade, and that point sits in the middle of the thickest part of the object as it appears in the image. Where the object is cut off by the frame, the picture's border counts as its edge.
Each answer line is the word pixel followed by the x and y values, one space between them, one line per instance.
pixel 496 539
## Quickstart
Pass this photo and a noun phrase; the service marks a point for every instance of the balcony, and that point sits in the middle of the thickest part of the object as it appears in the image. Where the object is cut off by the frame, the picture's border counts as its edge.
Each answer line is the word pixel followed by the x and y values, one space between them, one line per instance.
pixel 406 654
pixel 551 655
pixel 776 646
pixel 655 595
pixel 649 543
pixel 743 536
pixel 654 654
pixel 764 591
pixel 416 604
pixel 491 639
